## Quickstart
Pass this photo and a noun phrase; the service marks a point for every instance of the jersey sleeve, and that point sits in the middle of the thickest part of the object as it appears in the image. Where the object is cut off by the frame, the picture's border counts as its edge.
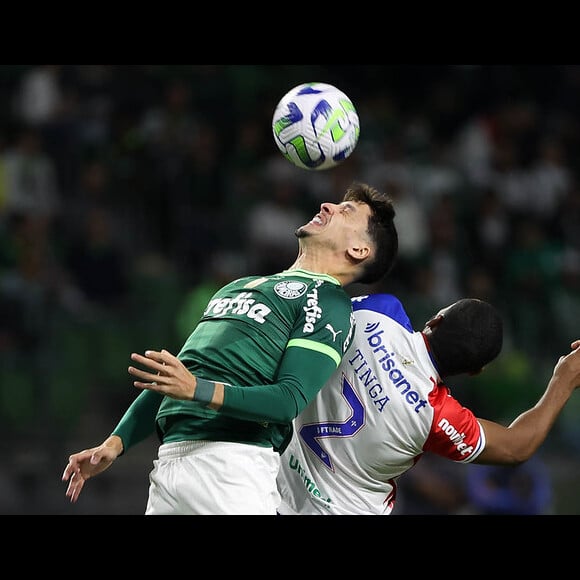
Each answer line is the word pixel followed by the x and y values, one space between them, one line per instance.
pixel 314 351
pixel 138 422
pixel 455 433
pixel 302 374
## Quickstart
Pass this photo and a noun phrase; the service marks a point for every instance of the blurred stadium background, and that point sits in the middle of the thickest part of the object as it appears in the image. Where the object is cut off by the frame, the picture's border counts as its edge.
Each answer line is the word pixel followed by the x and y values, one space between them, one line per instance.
pixel 129 192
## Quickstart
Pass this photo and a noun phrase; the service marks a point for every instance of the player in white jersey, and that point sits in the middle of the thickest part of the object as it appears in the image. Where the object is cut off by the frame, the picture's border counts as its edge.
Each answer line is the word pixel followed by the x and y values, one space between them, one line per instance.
pixel 387 404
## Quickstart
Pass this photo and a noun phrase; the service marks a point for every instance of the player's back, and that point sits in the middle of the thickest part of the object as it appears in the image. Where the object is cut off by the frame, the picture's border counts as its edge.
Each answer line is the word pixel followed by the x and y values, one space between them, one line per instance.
pixel 371 421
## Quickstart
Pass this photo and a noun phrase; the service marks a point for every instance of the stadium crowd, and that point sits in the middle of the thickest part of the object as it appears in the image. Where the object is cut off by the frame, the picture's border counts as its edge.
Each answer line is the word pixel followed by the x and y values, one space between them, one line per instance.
pixel 128 193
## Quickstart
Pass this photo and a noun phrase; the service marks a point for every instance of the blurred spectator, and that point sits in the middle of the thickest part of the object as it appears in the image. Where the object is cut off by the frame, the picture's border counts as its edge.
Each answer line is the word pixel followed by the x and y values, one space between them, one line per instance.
pixel 167 131
pixel 473 148
pixel 413 227
pixel 96 189
pixel 96 105
pixel 550 181
pixel 97 263
pixel 32 289
pixel 490 230
pixel 391 166
pixel 268 224
pixel 421 298
pixel 97 240
pixel 479 283
pixel 569 218
pixel 46 100
pixel 27 276
pixel 39 96
pixel 446 251
pixel 169 127
pixel 432 487
pixel 435 176
pixel 30 180
pixel 197 207
pixel 531 273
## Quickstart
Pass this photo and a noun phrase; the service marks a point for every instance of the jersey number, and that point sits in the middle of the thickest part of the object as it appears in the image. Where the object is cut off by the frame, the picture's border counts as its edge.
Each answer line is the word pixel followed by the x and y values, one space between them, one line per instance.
pixel 312 432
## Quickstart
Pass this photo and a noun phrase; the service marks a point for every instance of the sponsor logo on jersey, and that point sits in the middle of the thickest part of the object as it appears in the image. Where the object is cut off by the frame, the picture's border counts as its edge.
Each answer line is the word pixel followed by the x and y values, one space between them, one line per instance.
pixel 309 484
pixel 290 289
pixel 312 310
pixel 350 334
pixel 386 361
pixel 241 305
pixel 457 438
pixel 335 333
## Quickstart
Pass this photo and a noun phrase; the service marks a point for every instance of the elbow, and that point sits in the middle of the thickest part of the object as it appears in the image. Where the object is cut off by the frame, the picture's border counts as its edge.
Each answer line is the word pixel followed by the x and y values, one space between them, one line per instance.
pixel 287 419
pixel 518 457
pixel 504 456
pixel 288 415
pixel 292 407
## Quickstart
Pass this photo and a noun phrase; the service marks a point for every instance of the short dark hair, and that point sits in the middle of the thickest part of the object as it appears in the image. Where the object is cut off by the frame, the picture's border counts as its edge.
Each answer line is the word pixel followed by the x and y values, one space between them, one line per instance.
pixel 469 337
pixel 381 229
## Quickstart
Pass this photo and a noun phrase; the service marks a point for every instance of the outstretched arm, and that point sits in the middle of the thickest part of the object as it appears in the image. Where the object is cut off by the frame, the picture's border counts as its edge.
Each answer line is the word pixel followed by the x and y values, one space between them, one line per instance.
pixel 522 438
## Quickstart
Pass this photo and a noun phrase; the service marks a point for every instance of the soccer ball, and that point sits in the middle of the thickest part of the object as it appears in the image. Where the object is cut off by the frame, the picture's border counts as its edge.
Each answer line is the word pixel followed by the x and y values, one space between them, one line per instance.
pixel 315 126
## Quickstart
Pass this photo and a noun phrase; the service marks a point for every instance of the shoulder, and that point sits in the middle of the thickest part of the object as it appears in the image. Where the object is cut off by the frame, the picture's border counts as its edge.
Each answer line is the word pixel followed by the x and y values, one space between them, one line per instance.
pixel 385 304
pixel 455 433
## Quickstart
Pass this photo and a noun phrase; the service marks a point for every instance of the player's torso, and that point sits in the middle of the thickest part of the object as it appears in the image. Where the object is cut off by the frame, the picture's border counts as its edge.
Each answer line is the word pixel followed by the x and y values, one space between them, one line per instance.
pixel 365 427
pixel 244 332
pixel 248 323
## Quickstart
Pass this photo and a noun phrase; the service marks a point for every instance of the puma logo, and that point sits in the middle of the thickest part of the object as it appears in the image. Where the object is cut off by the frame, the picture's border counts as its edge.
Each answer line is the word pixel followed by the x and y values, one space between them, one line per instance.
pixel 334 332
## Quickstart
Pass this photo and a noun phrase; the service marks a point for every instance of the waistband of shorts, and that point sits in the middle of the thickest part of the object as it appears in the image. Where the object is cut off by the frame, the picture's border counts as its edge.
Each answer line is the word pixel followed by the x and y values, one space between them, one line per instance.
pixel 183 448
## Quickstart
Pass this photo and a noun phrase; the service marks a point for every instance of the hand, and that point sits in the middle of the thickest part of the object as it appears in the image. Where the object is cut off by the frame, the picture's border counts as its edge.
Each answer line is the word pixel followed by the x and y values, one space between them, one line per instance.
pixel 569 366
pixel 88 463
pixel 169 377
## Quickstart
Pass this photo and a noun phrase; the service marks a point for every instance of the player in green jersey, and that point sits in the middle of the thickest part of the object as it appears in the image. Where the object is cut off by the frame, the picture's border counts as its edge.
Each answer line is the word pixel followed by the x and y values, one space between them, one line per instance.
pixel 263 348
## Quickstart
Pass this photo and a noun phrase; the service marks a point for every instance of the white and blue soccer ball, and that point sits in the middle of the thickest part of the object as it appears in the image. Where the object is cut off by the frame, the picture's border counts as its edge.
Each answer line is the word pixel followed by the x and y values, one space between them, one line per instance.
pixel 315 126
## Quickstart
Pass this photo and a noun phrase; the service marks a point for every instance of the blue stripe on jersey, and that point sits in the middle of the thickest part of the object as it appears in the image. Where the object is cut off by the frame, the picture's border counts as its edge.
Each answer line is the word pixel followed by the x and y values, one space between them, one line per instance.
pixel 386 304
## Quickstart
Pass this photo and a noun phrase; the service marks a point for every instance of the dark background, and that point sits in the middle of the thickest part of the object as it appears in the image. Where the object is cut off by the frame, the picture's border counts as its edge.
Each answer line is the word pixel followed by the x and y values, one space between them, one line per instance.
pixel 128 193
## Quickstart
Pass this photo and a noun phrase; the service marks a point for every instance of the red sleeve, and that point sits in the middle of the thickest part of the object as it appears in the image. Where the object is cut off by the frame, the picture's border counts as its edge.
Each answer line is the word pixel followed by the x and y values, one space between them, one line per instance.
pixel 455 433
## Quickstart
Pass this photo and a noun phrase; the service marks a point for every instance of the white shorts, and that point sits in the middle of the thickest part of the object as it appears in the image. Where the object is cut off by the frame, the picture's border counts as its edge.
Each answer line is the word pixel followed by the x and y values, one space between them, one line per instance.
pixel 213 478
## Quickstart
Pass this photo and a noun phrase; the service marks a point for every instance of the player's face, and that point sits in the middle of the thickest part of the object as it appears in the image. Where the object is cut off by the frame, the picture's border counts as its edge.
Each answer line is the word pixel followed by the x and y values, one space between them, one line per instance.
pixel 342 224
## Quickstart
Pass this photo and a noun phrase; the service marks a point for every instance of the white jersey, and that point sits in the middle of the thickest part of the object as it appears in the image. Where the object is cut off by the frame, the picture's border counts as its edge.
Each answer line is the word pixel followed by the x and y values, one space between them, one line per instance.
pixel 381 410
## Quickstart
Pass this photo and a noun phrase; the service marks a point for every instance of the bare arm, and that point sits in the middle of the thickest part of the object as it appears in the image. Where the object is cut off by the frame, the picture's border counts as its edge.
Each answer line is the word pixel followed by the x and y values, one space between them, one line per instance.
pixel 522 438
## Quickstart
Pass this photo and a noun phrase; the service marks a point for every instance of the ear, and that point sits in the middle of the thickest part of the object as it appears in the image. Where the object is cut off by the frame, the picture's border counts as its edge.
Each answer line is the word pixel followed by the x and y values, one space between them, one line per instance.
pixel 358 254
pixel 434 321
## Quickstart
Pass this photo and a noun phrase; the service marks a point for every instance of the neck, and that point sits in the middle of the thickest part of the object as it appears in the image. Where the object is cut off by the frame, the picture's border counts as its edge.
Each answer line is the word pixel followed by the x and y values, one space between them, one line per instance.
pixel 431 353
pixel 323 266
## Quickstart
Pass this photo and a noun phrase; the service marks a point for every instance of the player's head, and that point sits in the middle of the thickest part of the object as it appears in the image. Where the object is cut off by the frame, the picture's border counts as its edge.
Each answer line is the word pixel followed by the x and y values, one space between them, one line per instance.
pixel 359 234
pixel 465 336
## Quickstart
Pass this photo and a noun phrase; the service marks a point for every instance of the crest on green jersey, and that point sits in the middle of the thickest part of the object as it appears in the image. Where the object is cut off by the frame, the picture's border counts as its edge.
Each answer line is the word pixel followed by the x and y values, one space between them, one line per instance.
pixel 290 289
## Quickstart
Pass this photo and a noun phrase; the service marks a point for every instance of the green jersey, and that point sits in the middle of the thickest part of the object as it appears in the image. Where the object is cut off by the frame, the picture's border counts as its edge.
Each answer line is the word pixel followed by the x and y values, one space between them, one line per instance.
pixel 273 341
